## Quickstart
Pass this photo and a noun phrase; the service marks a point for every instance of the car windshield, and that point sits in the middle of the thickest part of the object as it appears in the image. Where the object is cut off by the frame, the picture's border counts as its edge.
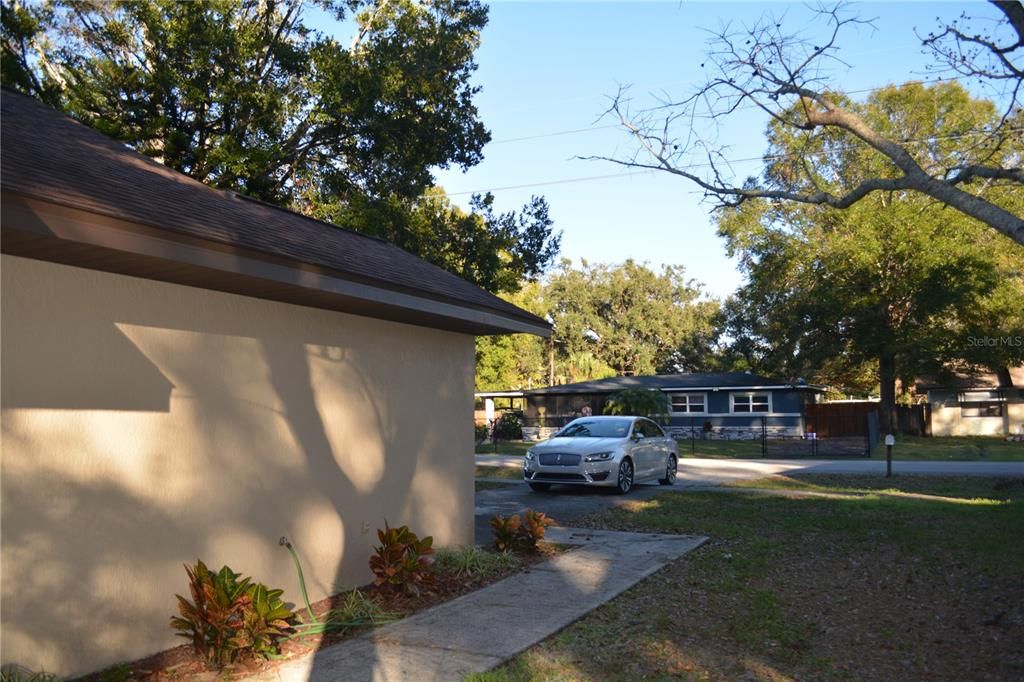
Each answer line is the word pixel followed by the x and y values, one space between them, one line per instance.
pixel 596 428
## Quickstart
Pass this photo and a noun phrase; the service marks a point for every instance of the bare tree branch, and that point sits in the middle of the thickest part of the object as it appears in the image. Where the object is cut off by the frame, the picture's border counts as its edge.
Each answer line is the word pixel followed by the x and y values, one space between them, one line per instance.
pixel 786 76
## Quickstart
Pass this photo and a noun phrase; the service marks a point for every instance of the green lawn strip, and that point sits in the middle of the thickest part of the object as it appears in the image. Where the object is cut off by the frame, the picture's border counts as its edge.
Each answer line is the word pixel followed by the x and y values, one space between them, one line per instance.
pixel 952 487
pixel 511 473
pixel 719 449
pixel 512 447
pixel 875 587
pixel 951 448
pixel 989 448
pixel 958 448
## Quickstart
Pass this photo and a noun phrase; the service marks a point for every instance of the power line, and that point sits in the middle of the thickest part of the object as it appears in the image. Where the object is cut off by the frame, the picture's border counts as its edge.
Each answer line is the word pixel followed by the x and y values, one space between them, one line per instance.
pixel 746 107
pixel 645 171
pixel 547 183
pixel 554 134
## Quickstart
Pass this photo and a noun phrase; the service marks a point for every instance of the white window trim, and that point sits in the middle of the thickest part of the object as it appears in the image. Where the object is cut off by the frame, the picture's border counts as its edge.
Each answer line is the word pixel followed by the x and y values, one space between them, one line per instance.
pixel 732 402
pixel 972 399
pixel 687 394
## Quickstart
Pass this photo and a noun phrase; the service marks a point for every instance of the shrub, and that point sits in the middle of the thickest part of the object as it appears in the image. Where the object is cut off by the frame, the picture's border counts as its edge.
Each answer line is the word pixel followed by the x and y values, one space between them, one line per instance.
pixel 508 427
pixel 264 621
pixel 229 615
pixel 356 610
pixel 474 562
pixel 481 433
pixel 402 561
pixel 638 402
pixel 506 530
pixel 533 528
pixel 519 534
pixel 14 673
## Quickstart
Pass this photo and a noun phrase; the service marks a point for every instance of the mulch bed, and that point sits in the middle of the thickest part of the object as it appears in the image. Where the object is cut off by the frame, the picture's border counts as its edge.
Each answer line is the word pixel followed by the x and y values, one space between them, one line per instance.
pixel 182 663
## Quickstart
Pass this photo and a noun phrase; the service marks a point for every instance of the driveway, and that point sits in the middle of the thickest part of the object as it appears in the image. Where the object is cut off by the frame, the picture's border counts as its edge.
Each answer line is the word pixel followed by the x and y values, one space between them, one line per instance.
pixel 562 503
pixel 566 503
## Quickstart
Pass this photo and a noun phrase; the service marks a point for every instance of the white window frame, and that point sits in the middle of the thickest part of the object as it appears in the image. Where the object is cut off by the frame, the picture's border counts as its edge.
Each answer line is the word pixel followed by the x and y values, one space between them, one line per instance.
pixel 732 402
pixel 671 407
pixel 975 400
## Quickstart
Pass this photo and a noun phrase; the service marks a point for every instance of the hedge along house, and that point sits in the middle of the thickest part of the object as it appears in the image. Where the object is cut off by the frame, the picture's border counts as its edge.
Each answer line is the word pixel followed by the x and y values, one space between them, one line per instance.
pixel 721 405
pixel 188 373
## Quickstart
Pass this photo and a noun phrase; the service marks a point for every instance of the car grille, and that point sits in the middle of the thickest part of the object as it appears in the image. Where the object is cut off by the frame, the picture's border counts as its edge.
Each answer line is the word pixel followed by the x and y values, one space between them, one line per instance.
pixel 544 476
pixel 554 459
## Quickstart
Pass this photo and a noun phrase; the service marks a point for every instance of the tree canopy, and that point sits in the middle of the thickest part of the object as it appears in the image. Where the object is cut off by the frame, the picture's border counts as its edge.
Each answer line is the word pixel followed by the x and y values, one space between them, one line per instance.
pixel 243 95
pixel 651 403
pixel 496 251
pixel 635 319
pixel 893 287
pixel 608 320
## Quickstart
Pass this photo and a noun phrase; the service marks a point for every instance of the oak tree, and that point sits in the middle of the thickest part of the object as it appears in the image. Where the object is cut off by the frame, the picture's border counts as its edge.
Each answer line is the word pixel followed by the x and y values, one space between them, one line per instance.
pixel 894 287
pixel 244 95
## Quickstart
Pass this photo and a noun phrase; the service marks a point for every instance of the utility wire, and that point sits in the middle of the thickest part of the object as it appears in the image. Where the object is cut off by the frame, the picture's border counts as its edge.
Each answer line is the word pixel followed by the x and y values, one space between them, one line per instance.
pixel 645 171
pixel 745 107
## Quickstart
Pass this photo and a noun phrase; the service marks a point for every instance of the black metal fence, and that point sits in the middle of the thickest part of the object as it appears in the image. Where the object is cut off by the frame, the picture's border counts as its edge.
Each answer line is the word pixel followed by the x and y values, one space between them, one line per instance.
pixel 763 439
pixel 772 443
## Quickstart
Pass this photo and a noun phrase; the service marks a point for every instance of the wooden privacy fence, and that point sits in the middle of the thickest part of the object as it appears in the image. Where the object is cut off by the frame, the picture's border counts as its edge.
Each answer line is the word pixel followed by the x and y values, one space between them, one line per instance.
pixel 831 420
pixel 835 420
pixel 914 420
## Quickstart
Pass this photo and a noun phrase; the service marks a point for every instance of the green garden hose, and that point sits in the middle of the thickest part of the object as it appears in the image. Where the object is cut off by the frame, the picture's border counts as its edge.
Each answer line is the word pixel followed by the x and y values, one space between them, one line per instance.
pixel 302 581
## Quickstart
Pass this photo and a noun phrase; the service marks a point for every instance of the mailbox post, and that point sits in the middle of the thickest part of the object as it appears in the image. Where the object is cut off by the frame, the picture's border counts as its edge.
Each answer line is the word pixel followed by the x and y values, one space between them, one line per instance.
pixel 890 440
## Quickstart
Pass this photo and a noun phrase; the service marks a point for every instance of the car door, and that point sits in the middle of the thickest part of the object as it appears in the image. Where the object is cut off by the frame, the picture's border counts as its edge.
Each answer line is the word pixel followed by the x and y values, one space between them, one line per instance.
pixel 662 449
pixel 646 448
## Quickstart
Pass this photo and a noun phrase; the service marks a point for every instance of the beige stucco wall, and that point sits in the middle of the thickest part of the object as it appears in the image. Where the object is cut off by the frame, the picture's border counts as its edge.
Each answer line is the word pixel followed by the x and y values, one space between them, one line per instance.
pixel 147 424
pixel 947 420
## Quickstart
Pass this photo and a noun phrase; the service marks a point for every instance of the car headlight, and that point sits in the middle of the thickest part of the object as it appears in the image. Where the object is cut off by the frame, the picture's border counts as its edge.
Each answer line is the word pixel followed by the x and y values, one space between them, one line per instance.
pixel 598 457
pixel 529 455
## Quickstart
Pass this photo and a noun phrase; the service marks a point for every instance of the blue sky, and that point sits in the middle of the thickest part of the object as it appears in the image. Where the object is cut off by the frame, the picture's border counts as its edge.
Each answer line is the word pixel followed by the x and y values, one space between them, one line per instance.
pixel 549 67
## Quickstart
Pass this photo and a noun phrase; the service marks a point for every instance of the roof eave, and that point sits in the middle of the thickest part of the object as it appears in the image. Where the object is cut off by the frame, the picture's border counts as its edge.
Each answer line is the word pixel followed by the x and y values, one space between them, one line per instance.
pixel 36 228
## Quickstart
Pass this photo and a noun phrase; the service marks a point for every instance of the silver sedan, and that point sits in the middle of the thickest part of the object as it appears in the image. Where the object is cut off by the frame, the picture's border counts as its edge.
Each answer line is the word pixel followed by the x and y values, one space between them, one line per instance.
pixel 616 452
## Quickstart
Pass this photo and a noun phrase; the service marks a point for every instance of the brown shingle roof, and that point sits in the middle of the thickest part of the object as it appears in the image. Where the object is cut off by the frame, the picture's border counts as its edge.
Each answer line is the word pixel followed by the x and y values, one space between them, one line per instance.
pixel 962 377
pixel 48 156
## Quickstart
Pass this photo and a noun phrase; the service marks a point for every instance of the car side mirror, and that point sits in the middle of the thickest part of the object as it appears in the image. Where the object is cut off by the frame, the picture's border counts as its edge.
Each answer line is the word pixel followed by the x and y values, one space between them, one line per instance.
pixel 637 436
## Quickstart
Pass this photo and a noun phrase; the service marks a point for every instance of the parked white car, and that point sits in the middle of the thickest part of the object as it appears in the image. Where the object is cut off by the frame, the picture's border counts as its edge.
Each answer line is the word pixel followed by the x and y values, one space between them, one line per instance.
pixel 616 452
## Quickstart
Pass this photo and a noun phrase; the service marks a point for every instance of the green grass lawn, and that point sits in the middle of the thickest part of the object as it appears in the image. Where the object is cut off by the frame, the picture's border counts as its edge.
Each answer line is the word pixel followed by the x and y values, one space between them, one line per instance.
pixel 511 447
pixel 720 449
pixel 511 473
pixel 981 448
pixel 988 448
pixel 964 488
pixel 706 448
pixel 916 578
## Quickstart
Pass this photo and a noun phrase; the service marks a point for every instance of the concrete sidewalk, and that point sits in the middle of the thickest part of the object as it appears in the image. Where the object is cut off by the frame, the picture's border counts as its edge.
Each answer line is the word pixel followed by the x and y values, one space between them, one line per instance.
pixel 481 630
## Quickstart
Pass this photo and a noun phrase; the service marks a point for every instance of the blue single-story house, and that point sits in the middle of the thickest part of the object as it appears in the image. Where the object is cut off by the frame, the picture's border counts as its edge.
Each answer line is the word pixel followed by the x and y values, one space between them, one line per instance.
pixel 734 405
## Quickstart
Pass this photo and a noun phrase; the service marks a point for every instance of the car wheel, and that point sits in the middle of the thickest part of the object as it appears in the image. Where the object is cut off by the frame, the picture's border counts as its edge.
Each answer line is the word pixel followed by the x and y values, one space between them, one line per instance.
pixel 670 471
pixel 625 482
pixel 540 487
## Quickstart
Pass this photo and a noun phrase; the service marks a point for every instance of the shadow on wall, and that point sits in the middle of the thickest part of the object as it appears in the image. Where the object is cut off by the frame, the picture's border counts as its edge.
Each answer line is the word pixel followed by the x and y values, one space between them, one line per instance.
pixel 279 420
pixel 71 361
